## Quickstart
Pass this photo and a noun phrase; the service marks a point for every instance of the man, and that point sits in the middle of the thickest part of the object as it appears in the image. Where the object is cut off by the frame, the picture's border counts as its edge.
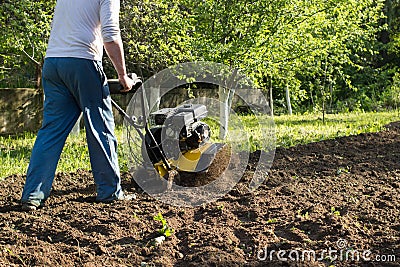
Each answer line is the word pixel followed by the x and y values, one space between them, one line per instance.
pixel 74 82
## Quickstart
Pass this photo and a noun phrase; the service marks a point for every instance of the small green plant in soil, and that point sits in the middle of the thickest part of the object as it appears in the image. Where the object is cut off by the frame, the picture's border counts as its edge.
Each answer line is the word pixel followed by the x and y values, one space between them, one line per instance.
pixel 165 230
pixel 272 221
pixel 335 212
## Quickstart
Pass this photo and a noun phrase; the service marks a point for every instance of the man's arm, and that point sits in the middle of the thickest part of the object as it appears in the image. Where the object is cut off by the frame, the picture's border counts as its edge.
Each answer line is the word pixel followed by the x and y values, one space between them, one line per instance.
pixel 115 52
pixel 109 19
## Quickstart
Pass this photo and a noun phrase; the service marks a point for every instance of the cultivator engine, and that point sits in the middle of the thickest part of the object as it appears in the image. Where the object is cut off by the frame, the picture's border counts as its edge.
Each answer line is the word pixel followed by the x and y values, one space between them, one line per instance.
pixel 173 140
pixel 179 135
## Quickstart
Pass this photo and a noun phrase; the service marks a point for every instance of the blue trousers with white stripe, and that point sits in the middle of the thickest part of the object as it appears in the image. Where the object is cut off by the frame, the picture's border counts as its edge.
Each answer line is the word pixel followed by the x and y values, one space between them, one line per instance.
pixel 73 86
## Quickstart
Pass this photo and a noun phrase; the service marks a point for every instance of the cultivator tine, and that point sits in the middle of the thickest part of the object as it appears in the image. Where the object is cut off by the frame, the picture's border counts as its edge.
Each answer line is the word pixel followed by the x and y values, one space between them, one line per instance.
pixel 172 175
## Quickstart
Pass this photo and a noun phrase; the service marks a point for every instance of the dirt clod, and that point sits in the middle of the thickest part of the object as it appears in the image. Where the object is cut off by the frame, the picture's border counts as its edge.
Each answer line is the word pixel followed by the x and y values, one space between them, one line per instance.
pixel 220 163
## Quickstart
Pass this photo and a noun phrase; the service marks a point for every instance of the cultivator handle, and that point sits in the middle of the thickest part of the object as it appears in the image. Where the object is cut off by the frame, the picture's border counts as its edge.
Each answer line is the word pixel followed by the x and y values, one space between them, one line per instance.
pixel 115 87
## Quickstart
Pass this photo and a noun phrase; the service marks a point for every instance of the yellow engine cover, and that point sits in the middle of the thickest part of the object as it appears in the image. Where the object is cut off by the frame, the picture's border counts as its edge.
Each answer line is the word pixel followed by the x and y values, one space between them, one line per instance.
pixel 196 160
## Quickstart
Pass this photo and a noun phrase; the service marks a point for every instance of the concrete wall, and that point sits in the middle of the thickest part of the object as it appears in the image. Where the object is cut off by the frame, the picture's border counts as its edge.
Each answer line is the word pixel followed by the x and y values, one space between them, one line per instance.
pixel 20 109
pixel 256 101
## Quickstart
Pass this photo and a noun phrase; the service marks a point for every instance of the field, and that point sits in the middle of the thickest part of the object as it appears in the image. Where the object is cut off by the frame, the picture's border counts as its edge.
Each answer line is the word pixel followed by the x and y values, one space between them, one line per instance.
pixel 331 198
pixel 290 131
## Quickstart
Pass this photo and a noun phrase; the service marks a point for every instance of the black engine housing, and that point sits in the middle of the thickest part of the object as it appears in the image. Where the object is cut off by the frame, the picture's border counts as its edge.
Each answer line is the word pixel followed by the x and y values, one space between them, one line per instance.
pixel 176 130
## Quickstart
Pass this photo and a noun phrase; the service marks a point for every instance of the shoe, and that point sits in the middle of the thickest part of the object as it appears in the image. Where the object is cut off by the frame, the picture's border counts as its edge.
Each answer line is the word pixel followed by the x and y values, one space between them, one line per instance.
pixel 29 206
pixel 127 197
pixel 122 198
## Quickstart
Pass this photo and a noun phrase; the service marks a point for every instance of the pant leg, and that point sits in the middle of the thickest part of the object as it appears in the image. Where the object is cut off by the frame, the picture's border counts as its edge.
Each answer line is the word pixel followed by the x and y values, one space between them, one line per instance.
pixel 88 83
pixel 59 116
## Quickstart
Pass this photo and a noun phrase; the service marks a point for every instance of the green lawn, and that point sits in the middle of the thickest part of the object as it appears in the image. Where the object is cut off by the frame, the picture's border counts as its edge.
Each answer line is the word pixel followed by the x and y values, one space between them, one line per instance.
pixel 289 130
pixel 303 129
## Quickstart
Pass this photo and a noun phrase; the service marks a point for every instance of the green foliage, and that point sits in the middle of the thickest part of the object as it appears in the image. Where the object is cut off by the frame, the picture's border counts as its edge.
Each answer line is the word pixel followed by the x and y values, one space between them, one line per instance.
pixel 393 20
pixel 391 96
pixel 335 212
pixel 329 50
pixel 24 30
pixel 326 52
pixel 315 48
pixel 156 34
pixel 165 230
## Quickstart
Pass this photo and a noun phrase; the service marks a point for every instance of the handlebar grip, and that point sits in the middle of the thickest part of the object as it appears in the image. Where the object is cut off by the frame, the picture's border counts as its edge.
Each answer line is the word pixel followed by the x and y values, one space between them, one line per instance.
pixel 115 87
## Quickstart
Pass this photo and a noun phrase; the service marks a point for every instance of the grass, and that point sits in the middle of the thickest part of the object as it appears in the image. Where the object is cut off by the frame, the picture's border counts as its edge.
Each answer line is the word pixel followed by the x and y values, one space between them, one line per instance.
pixel 15 153
pixel 289 130
pixel 303 129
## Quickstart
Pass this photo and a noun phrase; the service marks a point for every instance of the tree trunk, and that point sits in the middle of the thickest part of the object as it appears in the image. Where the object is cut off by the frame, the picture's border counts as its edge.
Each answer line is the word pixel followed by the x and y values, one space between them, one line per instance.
pixel 330 96
pixel 323 109
pixel 289 105
pixel 38 72
pixel 271 99
pixel 312 98
pixel 226 94
pixel 225 98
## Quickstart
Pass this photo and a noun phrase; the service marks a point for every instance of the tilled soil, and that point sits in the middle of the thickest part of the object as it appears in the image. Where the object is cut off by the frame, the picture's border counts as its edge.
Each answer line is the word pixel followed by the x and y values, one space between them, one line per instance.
pixel 334 202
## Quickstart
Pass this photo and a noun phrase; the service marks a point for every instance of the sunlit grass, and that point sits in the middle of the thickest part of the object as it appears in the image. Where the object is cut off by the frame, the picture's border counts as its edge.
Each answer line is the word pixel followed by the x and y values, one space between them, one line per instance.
pixel 303 129
pixel 16 150
pixel 15 153
pixel 289 131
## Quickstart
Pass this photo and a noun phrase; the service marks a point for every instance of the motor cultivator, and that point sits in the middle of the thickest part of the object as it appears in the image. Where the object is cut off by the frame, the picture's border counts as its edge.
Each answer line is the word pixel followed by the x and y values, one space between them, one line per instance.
pixel 174 140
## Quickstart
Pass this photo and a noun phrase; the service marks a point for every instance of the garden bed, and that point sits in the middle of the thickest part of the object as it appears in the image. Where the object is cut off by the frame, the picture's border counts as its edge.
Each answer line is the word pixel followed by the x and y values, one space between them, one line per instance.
pixel 340 194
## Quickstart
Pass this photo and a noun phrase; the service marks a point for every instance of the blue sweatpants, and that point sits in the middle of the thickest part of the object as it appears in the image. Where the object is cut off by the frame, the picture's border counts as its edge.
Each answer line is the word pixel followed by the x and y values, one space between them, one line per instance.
pixel 73 86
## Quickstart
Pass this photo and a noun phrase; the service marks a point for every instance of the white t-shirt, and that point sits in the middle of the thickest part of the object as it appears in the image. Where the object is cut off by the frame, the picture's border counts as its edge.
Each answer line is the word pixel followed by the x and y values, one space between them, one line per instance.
pixel 80 27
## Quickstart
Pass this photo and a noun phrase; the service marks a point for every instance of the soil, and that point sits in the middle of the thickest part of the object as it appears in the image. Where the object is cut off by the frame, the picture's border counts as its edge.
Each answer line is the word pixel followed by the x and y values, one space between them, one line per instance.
pixel 337 198
pixel 215 170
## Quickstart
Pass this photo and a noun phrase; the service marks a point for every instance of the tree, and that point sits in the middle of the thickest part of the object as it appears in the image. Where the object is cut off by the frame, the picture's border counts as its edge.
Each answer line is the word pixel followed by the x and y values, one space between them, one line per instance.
pixel 156 34
pixel 308 36
pixel 25 28
pixel 322 52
